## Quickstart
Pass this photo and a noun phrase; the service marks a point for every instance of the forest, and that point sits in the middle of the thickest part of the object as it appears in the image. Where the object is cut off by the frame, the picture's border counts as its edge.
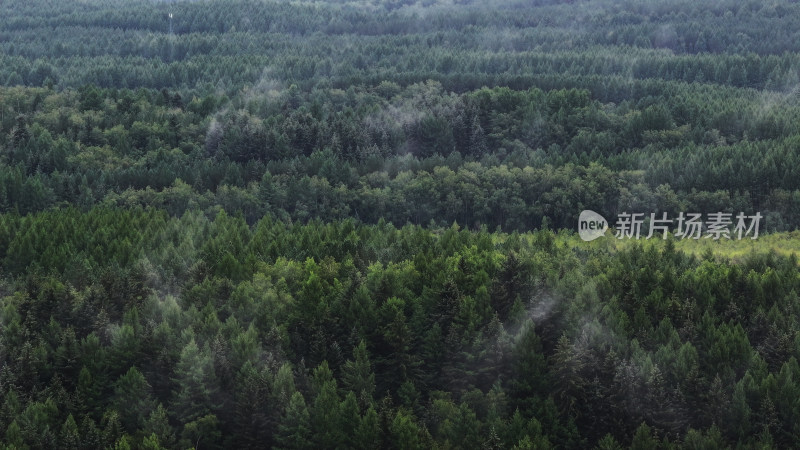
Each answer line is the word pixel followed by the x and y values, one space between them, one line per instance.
pixel 353 224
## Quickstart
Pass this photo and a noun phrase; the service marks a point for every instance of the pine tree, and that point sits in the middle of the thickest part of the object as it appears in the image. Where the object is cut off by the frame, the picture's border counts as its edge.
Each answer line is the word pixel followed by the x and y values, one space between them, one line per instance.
pixel 157 425
pixel 203 432
pixel 294 429
pixel 253 422
pixel 477 138
pixel 643 439
pixel 529 367
pixel 14 436
pixel 324 415
pixel 132 399
pixel 87 392
pixel 112 428
pixel 69 438
pixel 283 387
pixel 404 433
pixel 367 436
pixel 20 133
pixel 151 443
pixel 492 442
pixel 194 376
pixel 349 421
pixel 91 436
pixel 608 443
pixel 357 376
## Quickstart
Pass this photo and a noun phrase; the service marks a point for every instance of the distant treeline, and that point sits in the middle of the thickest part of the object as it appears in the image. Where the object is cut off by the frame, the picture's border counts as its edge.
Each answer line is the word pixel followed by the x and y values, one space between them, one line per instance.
pixel 517 160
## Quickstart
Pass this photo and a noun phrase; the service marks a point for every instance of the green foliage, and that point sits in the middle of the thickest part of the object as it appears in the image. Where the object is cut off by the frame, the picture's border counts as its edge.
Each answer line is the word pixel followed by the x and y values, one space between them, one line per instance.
pixel 404 433
pixel 204 430
pixel 295 426
pixel 564 368
pixel 196 384
pixel 246 225
pixel 357 375
pixel 132 400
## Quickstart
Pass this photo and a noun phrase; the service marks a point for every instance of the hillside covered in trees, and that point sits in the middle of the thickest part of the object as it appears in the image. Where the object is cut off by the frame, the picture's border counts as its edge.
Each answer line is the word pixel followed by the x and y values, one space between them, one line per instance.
pixel 351 224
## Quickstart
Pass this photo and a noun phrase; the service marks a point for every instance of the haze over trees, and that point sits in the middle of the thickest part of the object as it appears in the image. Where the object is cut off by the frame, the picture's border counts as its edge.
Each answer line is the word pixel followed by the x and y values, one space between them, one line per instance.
pixel 350 224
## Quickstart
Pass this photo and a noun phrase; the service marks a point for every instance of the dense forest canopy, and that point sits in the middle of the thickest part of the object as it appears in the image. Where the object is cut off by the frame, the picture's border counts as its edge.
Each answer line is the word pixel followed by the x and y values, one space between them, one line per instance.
pixel 351 224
